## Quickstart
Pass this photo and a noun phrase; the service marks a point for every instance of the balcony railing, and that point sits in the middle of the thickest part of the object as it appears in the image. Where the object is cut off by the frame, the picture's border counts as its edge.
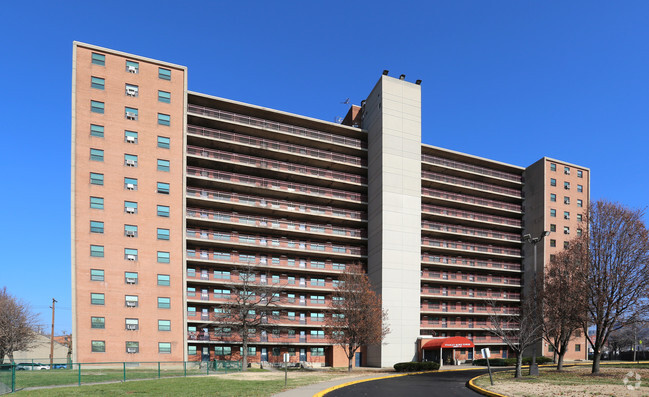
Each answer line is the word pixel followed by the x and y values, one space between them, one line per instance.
pixel 262 202
pixel 471 184
pixel 275 126
pixel 487 249
pixel 279 261
pixel 268 144
pixel 470 278
pixel 275 184
pixel 467 312
pixel 433 209
pixel 488 264
pixel 463 292
pixel 270 338
pixel 472 168
pixel 274 243
pixel 273 223
pixel 469 231
pixel 275 165
pixel 470 199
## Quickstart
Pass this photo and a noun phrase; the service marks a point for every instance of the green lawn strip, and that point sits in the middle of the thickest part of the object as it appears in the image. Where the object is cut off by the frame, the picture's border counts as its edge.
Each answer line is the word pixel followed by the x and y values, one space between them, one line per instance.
pixel 195 386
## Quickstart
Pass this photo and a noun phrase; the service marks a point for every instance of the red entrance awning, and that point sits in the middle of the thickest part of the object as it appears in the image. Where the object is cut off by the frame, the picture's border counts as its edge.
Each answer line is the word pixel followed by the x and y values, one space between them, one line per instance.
pixel 452 342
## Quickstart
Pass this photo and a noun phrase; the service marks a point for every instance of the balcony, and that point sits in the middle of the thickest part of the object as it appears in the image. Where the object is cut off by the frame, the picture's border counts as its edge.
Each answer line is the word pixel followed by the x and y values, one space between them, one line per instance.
pixel 267 144
pixel 476 311
pixel 427 258
pixel 470 247
pixel 459 325
pixel 278 127
pixel 463 198
pixel 471 168
pixel 463 293
pixel 283 205
pixel 470 231
pixel 273 223
pixel 299 320
pixel 471 216
pixel 257 339
pixel 275 165
pixel 277 185
pixel 303 284
pixel 273 243
pixel 433 176
pixel 280 262
pixel 470 278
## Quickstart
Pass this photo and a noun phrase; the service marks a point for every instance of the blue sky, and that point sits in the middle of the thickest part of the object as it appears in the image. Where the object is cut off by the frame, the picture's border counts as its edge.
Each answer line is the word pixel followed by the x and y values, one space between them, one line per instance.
pixel 507 80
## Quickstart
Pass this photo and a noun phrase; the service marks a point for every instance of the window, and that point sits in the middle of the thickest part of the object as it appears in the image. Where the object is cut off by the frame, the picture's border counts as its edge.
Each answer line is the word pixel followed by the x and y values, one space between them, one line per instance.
pixel 317 334
pixel 96 275
pixel 99 59
pixel 164 325
pixel 130 113
pixel 163 279
pixel 317 299
pixel 98 346
pixel 97 82
pixel 163 211
pixel 130 160
pixel 566 230
pixel 553 243
pixel 97 251
pixel 553 212
pixel 164 119
pixel 553 197
pixel 579 217
pixel 131 90
pixel 132 347
pixel 191 350
pixel 163 165
pixel 580 189
pixel 553 167
pixel 580 174
pixel 579 232
pixel 164 303
pixel 97 107
pixel 130 254
pixel 553 182
pixel 130 277
pixel 132 67
pixel 317 282
pixel 131 300
pixel 222 350
pixel 578 347
pixel 164 74
pixel 96 227
pixel 130 207
pixel 97 203
pixel 566 215
pixel 130 183
pixel 163 188
pixel 97 130
pixel 566 185
pixel 96 155
pixel 566 170
pixel 553 227
pixel 96 299
pixel 580 203
pixel 163 234
pixel 164 96
pixel 97 322
pixel 222 274
pixel 130 230
pixel 163 257
pixel 317 317
pixel 130 136
pixel 317 351
pixel 566 200
pixel 163 142
pixel 132 324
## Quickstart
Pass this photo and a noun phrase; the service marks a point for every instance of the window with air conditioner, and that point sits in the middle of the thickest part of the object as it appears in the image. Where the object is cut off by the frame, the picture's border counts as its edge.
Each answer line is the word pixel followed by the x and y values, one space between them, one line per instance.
pixel 132 67
pixel 130 113
pixel 130 254
pixel 132 324
pixel 130 136
pixel 131 300
pixel 130 230
pixel 130 207
pixel 130 183
pixel 132 347
pixel 132 90
pixel 130 277
pixel 130 160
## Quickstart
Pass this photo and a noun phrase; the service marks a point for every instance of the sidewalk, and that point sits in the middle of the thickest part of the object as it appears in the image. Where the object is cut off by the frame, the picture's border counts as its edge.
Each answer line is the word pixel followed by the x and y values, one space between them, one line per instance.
pixel 310 390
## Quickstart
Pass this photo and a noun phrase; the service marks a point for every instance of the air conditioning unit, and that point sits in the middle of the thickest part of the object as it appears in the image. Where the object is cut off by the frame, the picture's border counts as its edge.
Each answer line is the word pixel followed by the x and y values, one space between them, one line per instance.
pixel 566 217
pixel 130 139
pixel 131 91
pixel 567 172
pixel 130 280
pixel 131 116
pixel 131 350
pixel 131 69
pixel 566 187
pixel 566 201
pixel 130 186
pixel 566 232
pixel 130 257
pixel 130 163
pixel 130 233
pixel 131 326
pixel 131 304
pixel 130 210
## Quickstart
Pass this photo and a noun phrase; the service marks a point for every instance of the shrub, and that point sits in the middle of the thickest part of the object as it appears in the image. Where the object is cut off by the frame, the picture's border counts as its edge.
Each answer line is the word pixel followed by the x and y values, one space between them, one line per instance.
pixel 416 366
pixel 508 362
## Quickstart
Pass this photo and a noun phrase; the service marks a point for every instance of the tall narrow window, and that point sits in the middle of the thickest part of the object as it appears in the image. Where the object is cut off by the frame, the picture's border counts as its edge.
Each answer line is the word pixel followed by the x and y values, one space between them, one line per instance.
pixel 164 74
pixel 97 130
pixel 97 107
pixel 99 59
pixel 97 82
pixel 164 96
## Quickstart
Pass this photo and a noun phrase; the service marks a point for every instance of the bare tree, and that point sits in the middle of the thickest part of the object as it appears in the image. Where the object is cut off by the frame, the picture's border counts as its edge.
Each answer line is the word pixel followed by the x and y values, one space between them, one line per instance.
pixel 356 317
pixel 247 309
pixel 618 269
pixel 563 301
pixel 518 331
pixel 17 326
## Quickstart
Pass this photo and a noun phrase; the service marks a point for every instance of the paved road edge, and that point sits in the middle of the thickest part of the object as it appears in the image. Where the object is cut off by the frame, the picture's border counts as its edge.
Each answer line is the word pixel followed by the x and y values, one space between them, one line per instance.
pixel 482 391
pixel 340 386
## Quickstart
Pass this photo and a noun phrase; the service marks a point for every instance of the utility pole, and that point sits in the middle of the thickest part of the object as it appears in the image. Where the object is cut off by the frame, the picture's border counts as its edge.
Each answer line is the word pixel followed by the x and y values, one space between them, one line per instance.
pixel 52 337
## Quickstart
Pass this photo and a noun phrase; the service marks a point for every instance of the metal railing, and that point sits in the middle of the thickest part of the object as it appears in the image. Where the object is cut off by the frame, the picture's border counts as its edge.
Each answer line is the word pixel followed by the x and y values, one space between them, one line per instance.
pixel 437 275
pixel 276 126
pixel 471 184
pixel 470 199
pixel 433 209
pixel 469 167
pixel 428 242
pixel 489 264
pixel 469 231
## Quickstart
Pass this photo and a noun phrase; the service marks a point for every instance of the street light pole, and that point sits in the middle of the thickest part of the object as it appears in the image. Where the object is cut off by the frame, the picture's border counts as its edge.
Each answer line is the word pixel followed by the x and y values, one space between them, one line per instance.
pixel 534 369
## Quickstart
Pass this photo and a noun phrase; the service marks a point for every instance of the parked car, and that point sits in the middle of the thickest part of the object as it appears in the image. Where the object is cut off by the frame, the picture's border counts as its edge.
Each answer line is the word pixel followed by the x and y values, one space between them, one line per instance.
pixel 31 367
pixel 59 366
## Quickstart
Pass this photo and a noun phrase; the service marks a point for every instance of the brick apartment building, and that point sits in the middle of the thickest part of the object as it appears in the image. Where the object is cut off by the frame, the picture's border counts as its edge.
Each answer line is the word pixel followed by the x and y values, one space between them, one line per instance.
pixel 174 192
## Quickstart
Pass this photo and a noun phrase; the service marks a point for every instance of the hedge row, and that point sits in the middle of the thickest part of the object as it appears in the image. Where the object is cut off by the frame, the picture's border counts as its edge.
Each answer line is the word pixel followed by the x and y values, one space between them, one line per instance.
pixel 508 362
pixel 415 366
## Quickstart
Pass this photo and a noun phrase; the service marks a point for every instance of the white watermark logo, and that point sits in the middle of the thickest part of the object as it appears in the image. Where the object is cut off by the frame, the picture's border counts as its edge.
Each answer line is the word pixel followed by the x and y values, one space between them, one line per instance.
pixel 632 380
